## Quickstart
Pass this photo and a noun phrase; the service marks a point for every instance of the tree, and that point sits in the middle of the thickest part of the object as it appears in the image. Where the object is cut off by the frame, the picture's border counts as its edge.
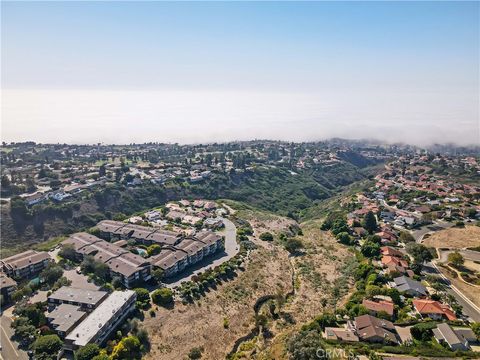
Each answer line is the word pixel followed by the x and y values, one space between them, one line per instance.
pixel 154 249
pixel 47 347
pixel 87 352
pixel 102 171
pixel 143 297
pixel 325 320
pixel 423 331
pixel 162 296
pixel 370 249
pixel 67 252
pixel 158 274
pixel 128 348
pixel 51 273
pixel 345 238
pixel 419 252
pixel 266 236
pixel 293 245
pixel 456 259
pixel 370 222
pixel 406 237
pixel 30 184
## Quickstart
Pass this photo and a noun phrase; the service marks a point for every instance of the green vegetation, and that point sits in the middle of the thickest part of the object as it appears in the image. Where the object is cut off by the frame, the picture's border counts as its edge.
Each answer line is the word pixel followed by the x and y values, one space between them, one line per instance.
pixel 47 347
pixel 456 259
pixel 129 348
pixel 266 236
pixel 87 352
pixel 420 253
pixel 143 298
pixel 163 297
pixel 195 353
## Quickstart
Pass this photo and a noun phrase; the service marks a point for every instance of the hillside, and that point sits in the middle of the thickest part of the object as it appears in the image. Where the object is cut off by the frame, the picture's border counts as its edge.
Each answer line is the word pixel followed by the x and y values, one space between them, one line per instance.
pixel 277 190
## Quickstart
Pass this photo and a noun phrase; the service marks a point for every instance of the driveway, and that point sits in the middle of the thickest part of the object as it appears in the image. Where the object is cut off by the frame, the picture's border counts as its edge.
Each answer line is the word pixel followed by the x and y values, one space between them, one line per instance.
pixel 231 249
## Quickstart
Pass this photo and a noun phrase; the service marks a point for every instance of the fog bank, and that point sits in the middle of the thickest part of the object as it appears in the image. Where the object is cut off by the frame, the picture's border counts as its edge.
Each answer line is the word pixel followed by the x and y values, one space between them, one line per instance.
pixel 91 116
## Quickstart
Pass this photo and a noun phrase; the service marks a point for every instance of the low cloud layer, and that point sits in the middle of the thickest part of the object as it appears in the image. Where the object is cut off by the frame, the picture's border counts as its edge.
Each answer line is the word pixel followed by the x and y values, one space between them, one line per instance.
pixel 83 116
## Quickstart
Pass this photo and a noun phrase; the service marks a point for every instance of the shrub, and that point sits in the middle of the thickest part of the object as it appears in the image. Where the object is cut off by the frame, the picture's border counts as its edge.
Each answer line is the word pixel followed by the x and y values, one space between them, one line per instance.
pixel 162 297
pixel 293 245
pixel 266 236
pixel 87 352
pixel 226 323
pixel 423 331
pixel 195 353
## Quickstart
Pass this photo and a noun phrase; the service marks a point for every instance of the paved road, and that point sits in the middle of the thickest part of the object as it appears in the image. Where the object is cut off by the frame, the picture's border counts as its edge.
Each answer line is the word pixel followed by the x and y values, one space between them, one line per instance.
pixel 231 249
pixel 469 308
pixel 10 350
pixel 467 255
pixel 430 229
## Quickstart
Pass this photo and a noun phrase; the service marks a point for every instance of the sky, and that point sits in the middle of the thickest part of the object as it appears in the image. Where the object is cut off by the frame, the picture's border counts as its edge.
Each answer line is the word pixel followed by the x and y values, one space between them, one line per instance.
pixel 190 72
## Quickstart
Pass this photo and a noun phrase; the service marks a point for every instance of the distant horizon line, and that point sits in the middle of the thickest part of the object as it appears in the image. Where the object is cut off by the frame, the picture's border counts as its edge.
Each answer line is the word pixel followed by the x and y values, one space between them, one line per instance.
pixel 372 141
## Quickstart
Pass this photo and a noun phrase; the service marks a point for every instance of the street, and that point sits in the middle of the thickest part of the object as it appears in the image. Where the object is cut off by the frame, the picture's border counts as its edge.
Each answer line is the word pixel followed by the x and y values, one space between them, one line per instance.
pixel 9 351
pixel 469 308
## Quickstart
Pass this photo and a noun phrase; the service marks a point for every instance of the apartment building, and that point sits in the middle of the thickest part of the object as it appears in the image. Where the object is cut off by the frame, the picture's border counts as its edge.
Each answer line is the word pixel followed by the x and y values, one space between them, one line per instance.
pixel 130 268
pixel 117 230
pixel 26 264
pixel 99 324
pixel 85 299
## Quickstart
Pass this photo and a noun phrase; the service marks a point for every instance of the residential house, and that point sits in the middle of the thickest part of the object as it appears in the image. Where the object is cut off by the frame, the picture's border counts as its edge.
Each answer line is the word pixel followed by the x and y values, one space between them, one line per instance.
pixel 433 309
pixel 130 268
pixel 394 264
pixel 445 334
pixel 409 286
pixel 375 307
pixel 340 334
pixel 35 198
pixel 372 329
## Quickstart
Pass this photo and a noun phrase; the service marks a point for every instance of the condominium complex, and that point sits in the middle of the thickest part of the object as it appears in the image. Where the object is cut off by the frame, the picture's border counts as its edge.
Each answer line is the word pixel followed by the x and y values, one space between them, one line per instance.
pixel 86 299
pixel 130 268
pixel 26 264
pixel 102 321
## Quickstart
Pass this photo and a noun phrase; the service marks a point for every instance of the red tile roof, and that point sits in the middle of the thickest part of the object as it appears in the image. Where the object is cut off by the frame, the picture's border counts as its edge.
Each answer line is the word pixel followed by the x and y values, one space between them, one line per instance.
pixel 426 307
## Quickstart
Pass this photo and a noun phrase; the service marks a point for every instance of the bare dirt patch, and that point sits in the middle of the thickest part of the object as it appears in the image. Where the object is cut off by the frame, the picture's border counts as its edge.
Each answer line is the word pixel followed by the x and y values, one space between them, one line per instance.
pixel 456 238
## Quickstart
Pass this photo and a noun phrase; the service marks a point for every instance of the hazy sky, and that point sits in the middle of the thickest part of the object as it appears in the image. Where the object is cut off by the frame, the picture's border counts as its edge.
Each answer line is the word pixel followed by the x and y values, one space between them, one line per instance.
pixel 195 72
